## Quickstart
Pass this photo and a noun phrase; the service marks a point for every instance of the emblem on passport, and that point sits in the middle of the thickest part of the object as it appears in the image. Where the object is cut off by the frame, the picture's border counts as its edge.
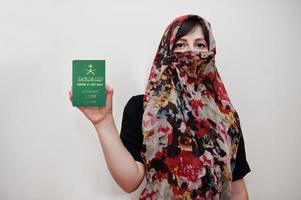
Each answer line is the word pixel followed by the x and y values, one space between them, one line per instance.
pixel 88 83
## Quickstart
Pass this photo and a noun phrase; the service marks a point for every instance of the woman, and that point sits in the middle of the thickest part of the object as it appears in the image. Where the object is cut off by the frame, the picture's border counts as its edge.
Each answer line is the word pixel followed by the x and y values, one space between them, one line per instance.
pixel 183 133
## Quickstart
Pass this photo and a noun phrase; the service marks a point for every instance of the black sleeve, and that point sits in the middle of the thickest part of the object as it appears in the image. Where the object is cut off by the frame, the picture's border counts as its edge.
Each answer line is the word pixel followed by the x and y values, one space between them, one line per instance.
pixel 241 165
pixel 131 131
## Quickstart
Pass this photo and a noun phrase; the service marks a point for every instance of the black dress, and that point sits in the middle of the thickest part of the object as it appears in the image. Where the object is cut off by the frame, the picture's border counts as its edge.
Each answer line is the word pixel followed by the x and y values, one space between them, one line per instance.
pixel 132 137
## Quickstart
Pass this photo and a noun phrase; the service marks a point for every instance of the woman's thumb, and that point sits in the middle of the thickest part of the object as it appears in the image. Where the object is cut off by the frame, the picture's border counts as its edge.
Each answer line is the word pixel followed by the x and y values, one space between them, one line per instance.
pixel 109 94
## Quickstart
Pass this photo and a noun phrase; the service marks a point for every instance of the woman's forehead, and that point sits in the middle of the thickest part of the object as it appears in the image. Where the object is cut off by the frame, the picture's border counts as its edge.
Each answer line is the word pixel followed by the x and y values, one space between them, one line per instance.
pixel 196 33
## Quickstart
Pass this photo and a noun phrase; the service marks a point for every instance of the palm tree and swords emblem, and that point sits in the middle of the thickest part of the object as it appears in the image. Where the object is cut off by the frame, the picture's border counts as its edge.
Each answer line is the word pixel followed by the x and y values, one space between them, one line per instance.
pixel 90 70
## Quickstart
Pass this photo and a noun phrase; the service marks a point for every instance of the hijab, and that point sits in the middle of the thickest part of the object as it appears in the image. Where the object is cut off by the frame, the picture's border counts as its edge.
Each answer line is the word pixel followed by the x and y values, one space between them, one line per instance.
pixel 190 128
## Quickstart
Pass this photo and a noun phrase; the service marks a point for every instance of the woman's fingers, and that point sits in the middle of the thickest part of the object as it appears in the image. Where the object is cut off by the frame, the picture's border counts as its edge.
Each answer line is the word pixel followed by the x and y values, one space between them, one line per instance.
pixel 82 109
pixel 109 96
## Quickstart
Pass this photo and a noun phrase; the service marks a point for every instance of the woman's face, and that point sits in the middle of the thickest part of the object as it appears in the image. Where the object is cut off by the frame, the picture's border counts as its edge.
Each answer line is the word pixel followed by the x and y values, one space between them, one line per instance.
pixel 192 41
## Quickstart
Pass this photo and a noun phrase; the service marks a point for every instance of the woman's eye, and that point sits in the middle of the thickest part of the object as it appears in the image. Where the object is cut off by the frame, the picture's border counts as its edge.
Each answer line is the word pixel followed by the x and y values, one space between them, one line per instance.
pixel 179 45
pixel 201 45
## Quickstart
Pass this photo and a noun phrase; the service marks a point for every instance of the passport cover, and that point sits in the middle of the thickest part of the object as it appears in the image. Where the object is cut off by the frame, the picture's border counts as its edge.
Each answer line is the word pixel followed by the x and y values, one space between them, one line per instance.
pixel 88 83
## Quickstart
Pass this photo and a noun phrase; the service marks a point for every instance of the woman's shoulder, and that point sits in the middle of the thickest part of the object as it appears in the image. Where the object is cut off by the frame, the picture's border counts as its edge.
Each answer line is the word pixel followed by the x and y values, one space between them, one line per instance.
pixel 134 108
pixel 138 97
pixel 135 103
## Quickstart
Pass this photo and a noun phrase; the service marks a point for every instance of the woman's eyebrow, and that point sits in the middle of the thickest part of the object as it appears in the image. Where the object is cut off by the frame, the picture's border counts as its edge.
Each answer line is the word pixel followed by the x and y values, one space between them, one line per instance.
pixel 200 39
pixel 185 40
pixel 182 39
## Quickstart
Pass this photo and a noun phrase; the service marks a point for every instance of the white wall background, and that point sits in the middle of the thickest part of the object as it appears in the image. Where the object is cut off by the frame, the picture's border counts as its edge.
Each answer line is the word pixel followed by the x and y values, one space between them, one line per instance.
pixel 49 150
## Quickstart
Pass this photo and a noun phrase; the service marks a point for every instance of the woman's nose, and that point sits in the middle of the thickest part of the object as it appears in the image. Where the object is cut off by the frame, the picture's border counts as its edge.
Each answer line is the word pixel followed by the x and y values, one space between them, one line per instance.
pixel 191 47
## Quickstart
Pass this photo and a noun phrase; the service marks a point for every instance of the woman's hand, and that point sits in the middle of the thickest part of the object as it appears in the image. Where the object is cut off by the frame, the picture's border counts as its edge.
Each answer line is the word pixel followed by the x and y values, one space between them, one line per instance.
pixel 97 114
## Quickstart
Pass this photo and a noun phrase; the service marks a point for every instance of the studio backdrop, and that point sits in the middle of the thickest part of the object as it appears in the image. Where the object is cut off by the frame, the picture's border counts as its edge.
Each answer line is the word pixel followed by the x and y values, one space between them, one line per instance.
pixel 49 150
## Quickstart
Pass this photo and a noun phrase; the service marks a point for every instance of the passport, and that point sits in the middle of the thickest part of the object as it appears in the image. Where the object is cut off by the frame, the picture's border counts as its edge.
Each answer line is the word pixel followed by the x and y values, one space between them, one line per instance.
pixel 88 83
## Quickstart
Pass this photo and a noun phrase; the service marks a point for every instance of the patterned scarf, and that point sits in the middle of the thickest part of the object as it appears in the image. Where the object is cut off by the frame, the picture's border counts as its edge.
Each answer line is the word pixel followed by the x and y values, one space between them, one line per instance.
pixel 190 128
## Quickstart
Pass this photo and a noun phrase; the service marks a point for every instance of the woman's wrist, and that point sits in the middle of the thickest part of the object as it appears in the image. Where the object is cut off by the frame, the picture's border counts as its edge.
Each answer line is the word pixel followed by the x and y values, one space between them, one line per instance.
pixel 105 123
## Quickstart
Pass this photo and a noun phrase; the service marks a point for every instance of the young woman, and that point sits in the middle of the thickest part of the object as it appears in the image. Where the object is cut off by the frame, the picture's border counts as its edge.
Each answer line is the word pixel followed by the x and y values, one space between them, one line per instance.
pixel 183 133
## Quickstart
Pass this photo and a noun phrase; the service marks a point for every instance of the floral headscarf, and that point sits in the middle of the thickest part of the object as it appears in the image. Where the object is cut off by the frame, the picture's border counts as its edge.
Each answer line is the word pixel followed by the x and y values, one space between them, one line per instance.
pixel 190 128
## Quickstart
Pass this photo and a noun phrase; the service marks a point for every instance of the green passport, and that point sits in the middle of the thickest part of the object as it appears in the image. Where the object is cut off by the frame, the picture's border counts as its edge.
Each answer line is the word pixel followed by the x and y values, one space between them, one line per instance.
pixel 88 83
